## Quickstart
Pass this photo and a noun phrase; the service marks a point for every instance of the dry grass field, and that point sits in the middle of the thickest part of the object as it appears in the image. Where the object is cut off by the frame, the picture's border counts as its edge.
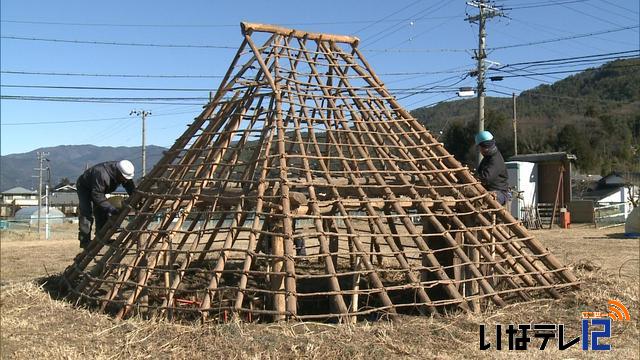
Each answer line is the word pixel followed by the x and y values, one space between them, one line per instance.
pixel 33 325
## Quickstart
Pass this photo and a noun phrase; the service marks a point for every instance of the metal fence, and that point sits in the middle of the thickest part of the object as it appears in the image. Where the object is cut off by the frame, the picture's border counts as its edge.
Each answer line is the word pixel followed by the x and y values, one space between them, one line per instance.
pixel 609 214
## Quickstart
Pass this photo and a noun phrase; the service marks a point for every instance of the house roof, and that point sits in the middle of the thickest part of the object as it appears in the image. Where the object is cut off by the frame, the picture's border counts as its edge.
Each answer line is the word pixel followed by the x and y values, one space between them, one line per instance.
pixel 67 188
pixel 19 190
pixel 600 192
pixel 32 211
pixel 621 178
pixel 544 157
pixel 64 198
pixel 583 177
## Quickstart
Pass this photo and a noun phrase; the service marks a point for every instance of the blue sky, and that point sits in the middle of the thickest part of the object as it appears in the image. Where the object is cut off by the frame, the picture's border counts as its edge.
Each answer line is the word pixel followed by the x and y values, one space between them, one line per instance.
pixel 184 47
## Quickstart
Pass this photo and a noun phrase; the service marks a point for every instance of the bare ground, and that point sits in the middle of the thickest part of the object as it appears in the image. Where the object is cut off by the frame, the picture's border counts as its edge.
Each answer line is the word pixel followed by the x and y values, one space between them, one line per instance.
pixel 33 325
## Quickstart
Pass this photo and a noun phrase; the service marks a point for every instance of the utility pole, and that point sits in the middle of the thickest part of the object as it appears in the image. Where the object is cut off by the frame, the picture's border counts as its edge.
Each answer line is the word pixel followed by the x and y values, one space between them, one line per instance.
pixel 143 115
pixel 46 216
pixel 486 11
pixel 42 156
pixel 515 128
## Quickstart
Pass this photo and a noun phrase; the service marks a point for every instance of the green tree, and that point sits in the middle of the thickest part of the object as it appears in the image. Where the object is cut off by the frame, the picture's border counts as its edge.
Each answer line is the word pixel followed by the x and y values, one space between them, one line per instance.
pixel 459 141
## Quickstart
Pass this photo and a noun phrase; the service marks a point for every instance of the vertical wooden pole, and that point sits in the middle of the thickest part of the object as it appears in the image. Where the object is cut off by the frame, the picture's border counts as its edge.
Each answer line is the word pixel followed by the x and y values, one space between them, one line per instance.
pixel 328 225
pixel 144 296
pixel 375 246
pixel 356 288
pixel 457 268
pixel 471 287
pixel 167 274
pixel 277 280
pixel 559 191
pixel 445 258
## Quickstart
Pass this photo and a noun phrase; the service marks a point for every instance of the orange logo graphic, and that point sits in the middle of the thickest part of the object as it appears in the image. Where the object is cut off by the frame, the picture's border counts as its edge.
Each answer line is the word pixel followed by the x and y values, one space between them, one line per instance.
pixel 617 311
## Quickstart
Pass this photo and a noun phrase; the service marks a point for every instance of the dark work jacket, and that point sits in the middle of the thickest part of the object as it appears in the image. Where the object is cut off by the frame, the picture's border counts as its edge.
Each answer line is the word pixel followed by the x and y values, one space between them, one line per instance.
pixel 492 172
pixel 102 179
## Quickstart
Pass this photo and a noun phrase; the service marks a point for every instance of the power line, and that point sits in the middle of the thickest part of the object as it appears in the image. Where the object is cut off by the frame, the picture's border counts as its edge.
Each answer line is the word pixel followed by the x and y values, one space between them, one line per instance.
pixel 413 37
pixel 350 22
pixel 598 18
pixel 546 30
pixel 27 86
pixel 576 99
pixel 620 7
pixel 432 104
pixel 611 12
pixel 573 66
pixel 555 64
pixel 92 42
pixel 114 43
pixel 543 4
pixel 565 38
pixel 381 34
pixel 86 120
pixel 386 17
pixel 10 97
pixel 449 88
pixel 50 73
pixel 103 88
pixel 558 39
pixel 400 50
pixel 107 100
pixel 407 73
pixel 566 71
pixel 636 51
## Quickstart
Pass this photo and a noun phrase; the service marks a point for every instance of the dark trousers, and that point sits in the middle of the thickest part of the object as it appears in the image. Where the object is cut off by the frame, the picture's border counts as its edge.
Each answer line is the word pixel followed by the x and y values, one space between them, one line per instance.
pixel 87 212
pixel 503 197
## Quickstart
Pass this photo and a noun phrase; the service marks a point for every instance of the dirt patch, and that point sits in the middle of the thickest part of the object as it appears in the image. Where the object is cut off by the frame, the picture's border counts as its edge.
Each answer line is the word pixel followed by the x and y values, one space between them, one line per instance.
pixel 34 325
pixel 605 248
pixel 26 255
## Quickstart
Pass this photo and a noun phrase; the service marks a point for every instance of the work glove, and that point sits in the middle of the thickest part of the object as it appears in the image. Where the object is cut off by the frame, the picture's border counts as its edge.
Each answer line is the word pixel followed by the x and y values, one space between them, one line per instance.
pixel 112 211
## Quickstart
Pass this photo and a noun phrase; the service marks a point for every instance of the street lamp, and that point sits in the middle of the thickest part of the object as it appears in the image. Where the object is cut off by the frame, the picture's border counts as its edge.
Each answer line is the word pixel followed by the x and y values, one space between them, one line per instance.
pixel 466 91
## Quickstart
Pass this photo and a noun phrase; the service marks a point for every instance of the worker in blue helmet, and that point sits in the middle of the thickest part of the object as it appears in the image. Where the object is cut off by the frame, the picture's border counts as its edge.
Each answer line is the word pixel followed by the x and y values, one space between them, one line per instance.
pixel 492 172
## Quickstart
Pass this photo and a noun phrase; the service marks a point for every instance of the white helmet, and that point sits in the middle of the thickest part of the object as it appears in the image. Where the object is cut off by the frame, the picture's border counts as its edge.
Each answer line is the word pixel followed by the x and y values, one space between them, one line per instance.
pixel 126 169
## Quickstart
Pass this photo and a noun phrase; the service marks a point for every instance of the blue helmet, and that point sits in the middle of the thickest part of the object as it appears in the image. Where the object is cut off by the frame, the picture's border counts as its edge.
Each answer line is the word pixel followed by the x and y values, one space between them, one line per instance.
pixel 483 136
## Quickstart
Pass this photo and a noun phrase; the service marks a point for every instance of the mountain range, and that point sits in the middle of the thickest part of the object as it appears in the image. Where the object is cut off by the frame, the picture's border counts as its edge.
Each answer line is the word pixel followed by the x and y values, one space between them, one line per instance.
pixel 68 161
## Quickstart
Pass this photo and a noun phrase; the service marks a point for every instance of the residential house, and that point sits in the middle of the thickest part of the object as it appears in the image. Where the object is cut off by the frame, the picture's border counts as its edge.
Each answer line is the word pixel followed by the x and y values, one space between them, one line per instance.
pixel 615 189
pixel 16 198
pixel 65 198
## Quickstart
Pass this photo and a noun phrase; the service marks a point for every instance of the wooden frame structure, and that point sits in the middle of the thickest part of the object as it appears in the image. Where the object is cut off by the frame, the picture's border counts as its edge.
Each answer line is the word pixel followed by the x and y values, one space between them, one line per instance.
pixel 305 191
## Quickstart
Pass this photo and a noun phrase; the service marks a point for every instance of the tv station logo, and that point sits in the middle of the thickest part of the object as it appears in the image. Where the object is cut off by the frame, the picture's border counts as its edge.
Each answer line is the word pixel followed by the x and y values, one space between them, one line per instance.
pixel 595 326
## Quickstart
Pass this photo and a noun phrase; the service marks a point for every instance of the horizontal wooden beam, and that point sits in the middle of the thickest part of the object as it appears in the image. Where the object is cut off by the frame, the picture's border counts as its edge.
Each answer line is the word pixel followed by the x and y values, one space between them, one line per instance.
pixel 299 202
pixel 248 28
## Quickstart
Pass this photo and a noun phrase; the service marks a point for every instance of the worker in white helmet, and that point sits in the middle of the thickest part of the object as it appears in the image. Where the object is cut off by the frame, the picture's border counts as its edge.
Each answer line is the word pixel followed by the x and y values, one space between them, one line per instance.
pixel 92 186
